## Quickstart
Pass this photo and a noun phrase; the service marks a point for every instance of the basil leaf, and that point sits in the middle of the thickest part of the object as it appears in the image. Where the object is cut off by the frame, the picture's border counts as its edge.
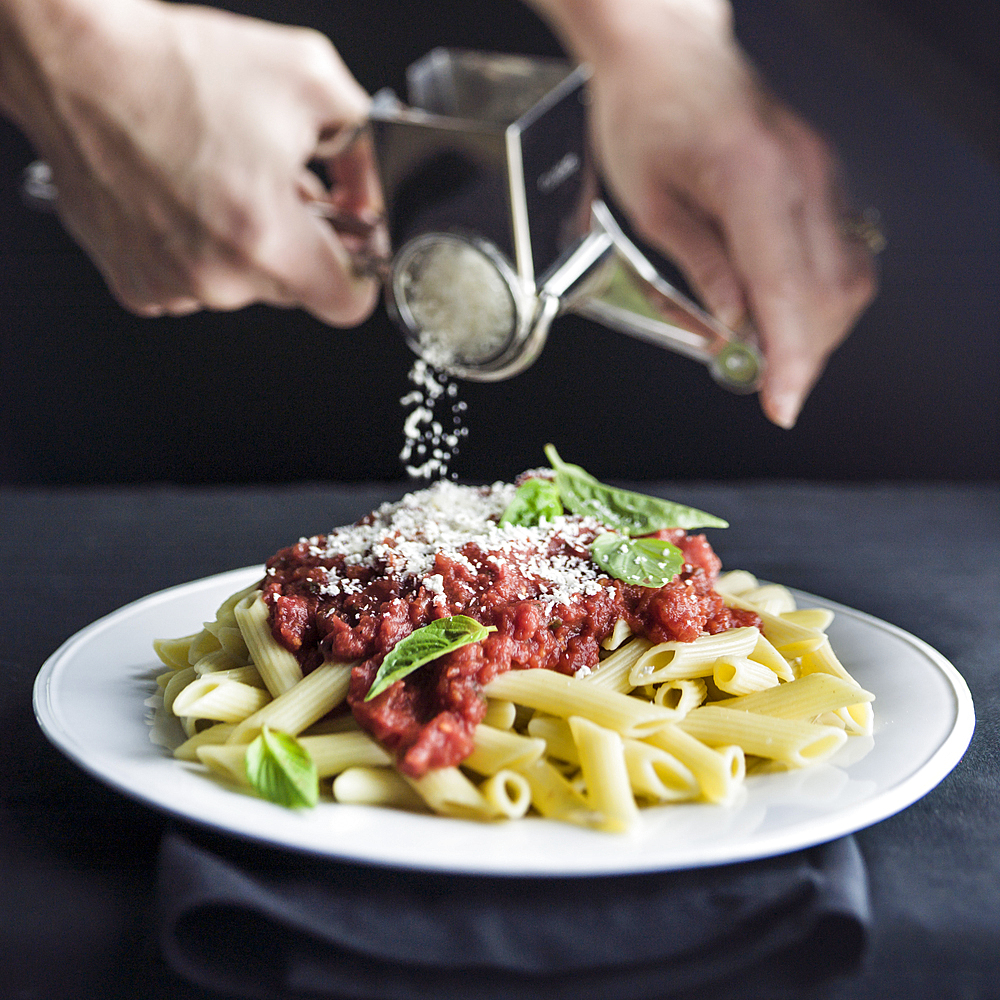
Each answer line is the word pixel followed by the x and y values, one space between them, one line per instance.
pixel 280 770
pixel 426 644
pixel 534 501
pixel 647 562
pixel 625 511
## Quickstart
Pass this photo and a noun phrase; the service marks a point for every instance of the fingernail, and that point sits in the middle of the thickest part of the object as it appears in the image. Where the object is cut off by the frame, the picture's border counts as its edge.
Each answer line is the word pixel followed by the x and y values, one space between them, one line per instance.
pixel 783 409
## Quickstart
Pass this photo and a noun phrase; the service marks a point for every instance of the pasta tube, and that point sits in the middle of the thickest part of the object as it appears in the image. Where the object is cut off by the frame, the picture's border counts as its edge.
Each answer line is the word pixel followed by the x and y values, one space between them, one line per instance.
pixel 613 671
pixel 555 798
pixel 277 665
pixel 214 735
pixel 299 707
pixel 448 792
pixel 557 694
pixel 602 762
pixel 682 695
pixel 669 661
pixel 499 749
pixel 740 675
pixel 657 775
pixel 719 771
pixel 221 700
pixel 333 753
pixel 507 793
pixel 805 698
pixel 500 714
pixel 174 652
pixel 790 741
pixel 376 786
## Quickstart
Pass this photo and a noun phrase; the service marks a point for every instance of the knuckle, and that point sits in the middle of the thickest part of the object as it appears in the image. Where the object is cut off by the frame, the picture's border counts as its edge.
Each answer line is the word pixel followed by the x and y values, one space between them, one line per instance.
pixel 316 59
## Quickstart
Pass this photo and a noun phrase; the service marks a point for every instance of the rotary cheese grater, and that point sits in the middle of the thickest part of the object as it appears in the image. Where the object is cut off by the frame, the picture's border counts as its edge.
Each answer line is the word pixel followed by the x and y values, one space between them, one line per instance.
pixel 496 225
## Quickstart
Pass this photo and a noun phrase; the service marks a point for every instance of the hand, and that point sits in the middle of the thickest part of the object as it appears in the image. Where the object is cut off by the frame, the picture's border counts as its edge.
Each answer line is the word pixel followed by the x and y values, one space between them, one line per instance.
pixel 722 178
pixel 178 138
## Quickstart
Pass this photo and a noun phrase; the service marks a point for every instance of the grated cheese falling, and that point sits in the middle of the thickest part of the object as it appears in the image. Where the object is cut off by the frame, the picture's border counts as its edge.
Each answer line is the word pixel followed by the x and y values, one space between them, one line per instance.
pixel 430 441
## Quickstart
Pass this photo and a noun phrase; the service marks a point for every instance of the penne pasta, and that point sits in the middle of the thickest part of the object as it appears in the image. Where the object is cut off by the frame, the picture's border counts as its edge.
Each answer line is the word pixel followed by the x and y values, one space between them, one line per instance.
pixel 719 770
pixel 612 673
pixel 770 597
pixel 375 786
pixel 277 665
pixel 175 684
pixel 500 749
pixel 557 694
pixel 765 653
pixel 227 761
pixel 740 675
pixel 174 652
pixel 500 714
pixel 222 700
pixel 299 707
pixel 658 776
pixel 788 638
pixel 817 618
pixel 803 699
pixel 213 735
pixel 217 660
pixel 670 661
pixel 735 582
pixel 682 695
pixel 557 737
pixel 619 634
pixel 333 753
pixel 202 644
pixel 448 792
pixel 788 740
pixel 507 793
pixel 245 675
pixel 605 775
pixel 553 797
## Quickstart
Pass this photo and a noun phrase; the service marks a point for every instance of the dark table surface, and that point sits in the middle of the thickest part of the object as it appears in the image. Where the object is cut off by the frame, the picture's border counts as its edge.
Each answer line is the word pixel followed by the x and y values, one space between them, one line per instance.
pixel 77 859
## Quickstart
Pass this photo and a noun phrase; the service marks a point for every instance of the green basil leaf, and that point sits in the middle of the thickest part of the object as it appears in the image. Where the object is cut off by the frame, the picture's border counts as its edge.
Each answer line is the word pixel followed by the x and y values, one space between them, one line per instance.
pixel 624 511
pixel 425 644
pixel 280 769
pixel 534 501
pixel 647 562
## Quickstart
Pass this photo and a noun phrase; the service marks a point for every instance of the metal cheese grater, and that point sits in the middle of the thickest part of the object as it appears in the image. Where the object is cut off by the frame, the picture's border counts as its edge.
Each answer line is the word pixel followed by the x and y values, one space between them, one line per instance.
pixel 493 214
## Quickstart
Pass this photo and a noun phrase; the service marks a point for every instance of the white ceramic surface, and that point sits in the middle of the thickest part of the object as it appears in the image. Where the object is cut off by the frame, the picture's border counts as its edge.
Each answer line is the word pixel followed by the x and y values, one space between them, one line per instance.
pixel 90 700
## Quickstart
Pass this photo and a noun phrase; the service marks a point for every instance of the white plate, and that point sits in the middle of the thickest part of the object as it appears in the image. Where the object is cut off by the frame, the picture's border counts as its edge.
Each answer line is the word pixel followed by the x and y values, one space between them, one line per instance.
pixel 90 700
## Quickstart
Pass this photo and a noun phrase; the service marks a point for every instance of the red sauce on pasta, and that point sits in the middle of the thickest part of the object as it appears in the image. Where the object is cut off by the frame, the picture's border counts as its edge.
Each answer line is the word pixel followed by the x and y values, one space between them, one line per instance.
pixel 353 594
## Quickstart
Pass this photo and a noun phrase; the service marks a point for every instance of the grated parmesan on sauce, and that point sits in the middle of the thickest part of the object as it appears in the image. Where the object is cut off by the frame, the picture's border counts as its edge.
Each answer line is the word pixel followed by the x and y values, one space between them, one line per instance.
pixel 404 539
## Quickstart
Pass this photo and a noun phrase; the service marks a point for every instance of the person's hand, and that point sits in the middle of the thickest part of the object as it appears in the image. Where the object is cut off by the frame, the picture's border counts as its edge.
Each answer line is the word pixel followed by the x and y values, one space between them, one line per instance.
pixel 178 138
pixel 722 178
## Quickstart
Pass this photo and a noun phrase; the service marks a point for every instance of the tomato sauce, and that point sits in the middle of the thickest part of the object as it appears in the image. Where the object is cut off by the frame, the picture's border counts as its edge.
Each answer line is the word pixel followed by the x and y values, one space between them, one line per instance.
pixel 329 600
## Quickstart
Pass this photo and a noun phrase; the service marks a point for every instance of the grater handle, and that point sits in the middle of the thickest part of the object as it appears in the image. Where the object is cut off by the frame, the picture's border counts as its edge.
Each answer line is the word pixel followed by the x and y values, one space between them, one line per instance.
pixel 625 292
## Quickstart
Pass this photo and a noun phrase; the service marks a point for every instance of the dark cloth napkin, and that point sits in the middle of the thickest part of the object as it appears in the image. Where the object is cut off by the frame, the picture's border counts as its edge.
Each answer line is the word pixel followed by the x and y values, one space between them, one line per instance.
pixel 255 922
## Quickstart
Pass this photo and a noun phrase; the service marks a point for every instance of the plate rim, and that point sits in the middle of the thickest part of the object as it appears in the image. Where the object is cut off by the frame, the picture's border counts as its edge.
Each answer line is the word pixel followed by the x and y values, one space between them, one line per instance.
pixel 939 764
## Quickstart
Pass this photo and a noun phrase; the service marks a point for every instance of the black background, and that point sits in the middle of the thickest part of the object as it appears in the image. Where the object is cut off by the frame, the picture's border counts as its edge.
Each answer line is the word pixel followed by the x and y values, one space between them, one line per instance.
pixel 92 394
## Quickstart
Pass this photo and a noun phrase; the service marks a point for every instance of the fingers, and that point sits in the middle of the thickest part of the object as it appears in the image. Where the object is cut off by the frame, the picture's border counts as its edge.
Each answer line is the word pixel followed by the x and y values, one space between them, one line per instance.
pixel 806 284
pixel 314 270
pixel 283 255
pixel 690 239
